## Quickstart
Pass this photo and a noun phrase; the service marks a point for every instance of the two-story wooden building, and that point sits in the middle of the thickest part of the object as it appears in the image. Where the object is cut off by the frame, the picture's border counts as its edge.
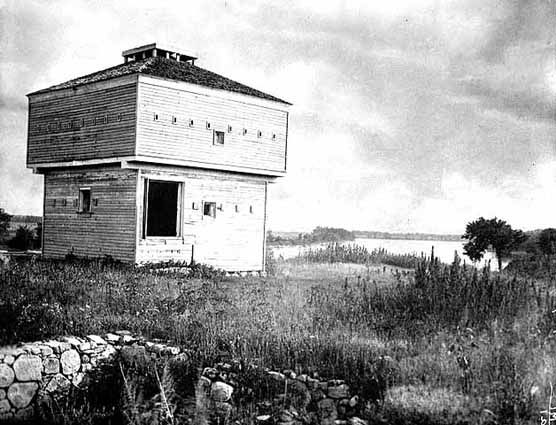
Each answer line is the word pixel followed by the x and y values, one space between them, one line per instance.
pixel 157 159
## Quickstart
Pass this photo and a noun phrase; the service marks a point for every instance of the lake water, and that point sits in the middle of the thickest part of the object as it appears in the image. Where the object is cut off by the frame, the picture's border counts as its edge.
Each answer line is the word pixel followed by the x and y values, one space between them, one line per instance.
pixel 444 250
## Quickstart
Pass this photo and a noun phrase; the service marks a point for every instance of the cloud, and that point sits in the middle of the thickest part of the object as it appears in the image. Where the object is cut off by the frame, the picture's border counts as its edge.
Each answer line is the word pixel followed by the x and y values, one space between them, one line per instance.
pixel 408 115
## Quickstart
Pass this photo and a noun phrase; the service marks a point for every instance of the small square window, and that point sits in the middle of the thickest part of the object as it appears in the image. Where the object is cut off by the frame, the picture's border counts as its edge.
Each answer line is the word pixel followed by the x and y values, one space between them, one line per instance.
pixel 237 208
pixel 194 206
pixel 208 125
pixel 229 128
pixel 64 202
pixel 244 131
pixel 85 200
pixel 209 209
pixel 273 136
pixel 191 123
pixel 174 120
pixel 259 134
pixel 155 117
pixel 218 137
pixel 119 117
pixel 250 209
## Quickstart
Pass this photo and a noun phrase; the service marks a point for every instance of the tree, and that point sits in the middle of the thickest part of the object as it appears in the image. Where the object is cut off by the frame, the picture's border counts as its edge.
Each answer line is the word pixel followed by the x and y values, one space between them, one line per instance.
pixel 547 241
pixel 484 233
pixel 5 219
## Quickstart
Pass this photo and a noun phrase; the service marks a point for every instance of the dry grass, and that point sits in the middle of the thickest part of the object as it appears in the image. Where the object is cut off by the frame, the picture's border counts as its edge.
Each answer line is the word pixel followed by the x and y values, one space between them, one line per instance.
pixel 435 340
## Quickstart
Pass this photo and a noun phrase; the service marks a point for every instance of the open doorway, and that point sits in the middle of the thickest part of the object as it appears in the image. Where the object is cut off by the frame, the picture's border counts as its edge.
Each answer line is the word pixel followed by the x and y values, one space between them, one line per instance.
pixel 162 201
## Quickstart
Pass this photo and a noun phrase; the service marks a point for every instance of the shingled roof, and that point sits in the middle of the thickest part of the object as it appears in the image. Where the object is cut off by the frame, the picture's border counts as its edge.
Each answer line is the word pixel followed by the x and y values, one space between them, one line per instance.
pixel 166 68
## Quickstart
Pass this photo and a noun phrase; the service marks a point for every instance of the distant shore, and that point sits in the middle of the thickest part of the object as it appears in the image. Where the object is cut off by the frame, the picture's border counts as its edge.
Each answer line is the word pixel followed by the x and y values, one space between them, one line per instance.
pixel 290 241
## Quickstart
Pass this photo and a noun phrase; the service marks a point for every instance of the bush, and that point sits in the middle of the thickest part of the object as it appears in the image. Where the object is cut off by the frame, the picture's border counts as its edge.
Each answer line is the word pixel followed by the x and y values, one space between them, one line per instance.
pixel 24 239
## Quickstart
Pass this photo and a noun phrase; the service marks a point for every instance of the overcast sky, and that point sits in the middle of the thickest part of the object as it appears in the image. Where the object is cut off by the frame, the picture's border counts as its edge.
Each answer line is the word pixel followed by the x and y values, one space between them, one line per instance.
pixel 408 115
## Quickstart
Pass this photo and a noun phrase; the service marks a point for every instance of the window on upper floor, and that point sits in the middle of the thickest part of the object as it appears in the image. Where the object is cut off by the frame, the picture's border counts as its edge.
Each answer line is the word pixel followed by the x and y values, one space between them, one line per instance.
pixel 209 209
pixel 218 137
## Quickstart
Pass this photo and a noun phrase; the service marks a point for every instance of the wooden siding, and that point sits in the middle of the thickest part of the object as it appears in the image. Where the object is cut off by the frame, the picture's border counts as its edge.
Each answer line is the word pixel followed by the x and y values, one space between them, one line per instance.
pixel 87 123
pixel 163 138
pixel 108 230
pixel 233 241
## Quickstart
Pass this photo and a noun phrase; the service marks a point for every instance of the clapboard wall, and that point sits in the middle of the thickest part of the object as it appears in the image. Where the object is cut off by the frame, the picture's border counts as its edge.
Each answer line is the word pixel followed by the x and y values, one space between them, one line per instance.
pixel 175 121
pixel 89 122
pixel 233 240
pixel 108 230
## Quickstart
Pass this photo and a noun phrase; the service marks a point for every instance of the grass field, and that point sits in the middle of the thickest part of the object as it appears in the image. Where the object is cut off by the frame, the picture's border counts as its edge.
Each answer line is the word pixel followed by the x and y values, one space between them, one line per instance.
pixel 442 344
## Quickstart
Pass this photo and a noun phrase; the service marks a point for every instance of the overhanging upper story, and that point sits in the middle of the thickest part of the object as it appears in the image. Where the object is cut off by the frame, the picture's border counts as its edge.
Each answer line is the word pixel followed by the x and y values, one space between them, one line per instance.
pixel 158 108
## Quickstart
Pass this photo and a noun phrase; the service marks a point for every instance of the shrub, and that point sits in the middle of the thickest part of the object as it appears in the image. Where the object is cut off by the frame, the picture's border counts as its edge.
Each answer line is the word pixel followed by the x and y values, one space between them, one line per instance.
pixel 24 239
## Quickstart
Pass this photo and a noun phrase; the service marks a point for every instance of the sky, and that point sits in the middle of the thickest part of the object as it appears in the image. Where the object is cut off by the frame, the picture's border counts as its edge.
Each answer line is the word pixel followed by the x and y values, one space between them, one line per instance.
pixel 407 116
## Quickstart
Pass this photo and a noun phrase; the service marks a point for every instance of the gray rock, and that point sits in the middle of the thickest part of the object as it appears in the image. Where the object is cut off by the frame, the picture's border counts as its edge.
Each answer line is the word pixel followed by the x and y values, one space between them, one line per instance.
pixel 338 391
pixel 71 362
pixel 11 351
pixel 9 360
pixel 59 383
pixel 5 406
pixel 354 401
pixel 172 351
pixel 2 394
pixel 210 372
pixel 96 339
pixel 108 351
pixel 51 365
pixel 357 421
pixel 72 341
pixel 6 376
pixel 221 392
pixel 277 376
pixel 32 348
pixel 46 350
pixel 77 379
pixel 28 368
pixel 112 338
pixel 20 394
pixel 84 346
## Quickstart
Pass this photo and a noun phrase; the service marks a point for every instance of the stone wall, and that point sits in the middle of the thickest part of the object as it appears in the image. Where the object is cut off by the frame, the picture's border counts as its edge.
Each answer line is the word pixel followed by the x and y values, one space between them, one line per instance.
pixel 34 373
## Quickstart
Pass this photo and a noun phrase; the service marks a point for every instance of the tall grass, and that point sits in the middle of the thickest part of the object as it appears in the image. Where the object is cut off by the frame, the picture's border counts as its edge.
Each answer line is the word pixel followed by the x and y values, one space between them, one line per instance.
pixel 353 253
pixel 481 336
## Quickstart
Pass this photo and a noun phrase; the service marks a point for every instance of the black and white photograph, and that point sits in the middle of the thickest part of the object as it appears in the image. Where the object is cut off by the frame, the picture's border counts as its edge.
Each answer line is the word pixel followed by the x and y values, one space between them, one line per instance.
pixel 278 212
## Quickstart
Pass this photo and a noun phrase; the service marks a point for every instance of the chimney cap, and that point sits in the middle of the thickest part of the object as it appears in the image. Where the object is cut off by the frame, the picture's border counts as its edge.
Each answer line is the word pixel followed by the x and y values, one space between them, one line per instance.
pixel 157 49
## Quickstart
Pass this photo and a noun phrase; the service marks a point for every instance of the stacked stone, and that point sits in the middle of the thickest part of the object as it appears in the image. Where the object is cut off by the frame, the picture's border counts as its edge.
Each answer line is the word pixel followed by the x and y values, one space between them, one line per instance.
pixel 44 368
pixel 316 401
pixel 38 371
pixel 323 402
pixel 214 393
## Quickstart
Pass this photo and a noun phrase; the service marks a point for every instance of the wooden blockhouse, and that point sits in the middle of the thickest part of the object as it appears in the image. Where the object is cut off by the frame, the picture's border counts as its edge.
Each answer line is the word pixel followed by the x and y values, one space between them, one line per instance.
pixel 157 159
